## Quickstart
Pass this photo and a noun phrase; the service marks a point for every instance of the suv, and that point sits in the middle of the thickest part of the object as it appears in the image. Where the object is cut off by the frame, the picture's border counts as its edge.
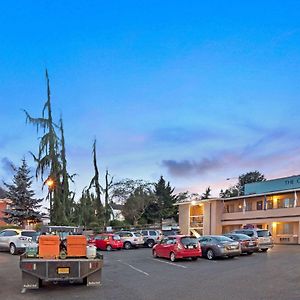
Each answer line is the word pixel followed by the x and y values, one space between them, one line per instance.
pixel 263 237
pixel 151 237
pixel 131 239
pixel 16 240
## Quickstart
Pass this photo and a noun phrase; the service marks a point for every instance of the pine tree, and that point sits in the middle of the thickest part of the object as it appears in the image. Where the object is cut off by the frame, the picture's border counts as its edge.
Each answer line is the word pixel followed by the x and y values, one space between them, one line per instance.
pixel 165 199
pixel 23 207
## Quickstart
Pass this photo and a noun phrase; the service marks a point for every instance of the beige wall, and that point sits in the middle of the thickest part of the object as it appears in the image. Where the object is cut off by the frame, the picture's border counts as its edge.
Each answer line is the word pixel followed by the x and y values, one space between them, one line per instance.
pixel 184 218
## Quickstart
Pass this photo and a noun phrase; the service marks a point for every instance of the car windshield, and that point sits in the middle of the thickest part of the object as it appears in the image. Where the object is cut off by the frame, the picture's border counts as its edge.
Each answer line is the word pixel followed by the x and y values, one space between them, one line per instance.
pixel 222 239
pixel 116 237
pixel 249 233
pixel 189 241
pixel 137 234
pixel 263 233
pixel 242 236
pixel 31 234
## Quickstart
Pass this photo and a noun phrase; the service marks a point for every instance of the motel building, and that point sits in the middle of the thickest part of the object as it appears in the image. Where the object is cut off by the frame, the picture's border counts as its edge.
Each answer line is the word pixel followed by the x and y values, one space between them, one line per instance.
pixel 272 205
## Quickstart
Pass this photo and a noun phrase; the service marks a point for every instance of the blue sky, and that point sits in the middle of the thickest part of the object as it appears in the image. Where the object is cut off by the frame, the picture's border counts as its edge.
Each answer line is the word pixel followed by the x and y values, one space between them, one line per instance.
pixel 194 91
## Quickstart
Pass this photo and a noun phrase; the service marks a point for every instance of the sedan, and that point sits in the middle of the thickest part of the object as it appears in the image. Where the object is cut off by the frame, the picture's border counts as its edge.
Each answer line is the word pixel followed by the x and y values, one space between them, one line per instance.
pixel 176 247
pixel 219 246
pixel 248 244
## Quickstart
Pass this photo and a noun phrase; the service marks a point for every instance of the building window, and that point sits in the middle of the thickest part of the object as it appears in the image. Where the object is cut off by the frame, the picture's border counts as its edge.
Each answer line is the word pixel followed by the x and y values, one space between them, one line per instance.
pixel 229 208
pixel 270 204
pixel 285 203
pixel 248 206
pixel 285 228
pixel 259 205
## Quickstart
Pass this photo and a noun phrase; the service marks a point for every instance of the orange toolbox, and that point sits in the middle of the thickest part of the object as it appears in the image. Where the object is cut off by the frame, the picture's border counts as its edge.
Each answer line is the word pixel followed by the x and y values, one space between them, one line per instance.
pixel 49 246
pixel 76 245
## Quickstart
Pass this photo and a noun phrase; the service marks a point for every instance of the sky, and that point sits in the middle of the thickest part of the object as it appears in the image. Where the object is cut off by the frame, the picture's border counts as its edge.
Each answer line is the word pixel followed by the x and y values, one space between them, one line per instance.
pixel 195 91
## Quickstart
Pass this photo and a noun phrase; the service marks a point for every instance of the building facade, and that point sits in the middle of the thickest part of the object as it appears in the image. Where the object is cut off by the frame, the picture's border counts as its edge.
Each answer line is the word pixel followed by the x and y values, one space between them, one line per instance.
pixel 4 204
pixel 273 205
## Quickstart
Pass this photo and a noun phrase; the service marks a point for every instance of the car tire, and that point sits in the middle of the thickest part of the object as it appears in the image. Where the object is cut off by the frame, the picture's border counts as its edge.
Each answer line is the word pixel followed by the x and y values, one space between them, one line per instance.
pixel 154 253
pixel 231 257
pixel 108 248
pixel 249 253
pixel 150 243
pixel 210 254
pixel 12 249
pixel 194 258
pixel 264 250
pixel 127 245
pixel 172 257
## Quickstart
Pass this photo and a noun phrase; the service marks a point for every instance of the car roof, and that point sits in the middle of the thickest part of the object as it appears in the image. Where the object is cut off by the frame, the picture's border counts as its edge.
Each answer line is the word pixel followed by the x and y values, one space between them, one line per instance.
pixel 13 229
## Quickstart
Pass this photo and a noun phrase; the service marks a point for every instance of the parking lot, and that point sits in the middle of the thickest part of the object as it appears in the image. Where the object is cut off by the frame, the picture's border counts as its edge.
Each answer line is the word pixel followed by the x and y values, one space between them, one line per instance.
pixel 134 274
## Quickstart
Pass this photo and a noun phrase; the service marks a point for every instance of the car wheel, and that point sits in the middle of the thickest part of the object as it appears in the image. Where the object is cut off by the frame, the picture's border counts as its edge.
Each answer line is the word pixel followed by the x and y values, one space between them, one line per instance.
pixel 150 243
pixel 172 257
pixel 108 248
pixel 231 257
pixel 194 258
pixel 249 253
pixel 154 253
pixel 12 249
pixel 264 250
pixel 127 245
pixel 210 254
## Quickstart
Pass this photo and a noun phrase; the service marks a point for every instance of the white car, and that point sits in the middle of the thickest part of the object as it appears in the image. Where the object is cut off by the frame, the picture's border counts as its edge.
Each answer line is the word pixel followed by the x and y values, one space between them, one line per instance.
pixel 16 240
pixel 131 239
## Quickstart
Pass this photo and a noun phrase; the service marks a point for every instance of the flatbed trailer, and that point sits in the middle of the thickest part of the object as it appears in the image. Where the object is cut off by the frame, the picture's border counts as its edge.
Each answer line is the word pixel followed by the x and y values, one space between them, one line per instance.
pixel 37 270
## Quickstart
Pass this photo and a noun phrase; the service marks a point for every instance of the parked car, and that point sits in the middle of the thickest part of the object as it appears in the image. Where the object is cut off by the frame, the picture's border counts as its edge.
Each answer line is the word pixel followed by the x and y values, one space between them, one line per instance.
pixel 16 240
pixel 151 237
pixel 108 241
pixel 178 246
pixel 168 232
pixel 219 246
pixel 263 236
pixel 248 244
pixel 131 239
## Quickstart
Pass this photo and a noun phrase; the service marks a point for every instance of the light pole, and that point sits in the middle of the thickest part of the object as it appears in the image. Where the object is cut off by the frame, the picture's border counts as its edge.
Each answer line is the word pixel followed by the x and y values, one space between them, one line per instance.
pixel 50 184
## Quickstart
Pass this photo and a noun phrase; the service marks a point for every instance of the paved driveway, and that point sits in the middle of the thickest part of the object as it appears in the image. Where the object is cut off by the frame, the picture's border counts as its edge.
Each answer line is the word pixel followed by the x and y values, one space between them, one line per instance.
pixel 134 274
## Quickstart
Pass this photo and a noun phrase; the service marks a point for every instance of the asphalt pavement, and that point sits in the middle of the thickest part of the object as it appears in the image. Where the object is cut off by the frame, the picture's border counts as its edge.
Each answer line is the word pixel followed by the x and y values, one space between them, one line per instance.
pixel 134 274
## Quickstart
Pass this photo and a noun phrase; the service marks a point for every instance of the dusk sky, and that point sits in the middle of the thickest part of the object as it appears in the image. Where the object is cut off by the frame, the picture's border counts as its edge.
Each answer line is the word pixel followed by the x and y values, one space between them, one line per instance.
pixel 194 91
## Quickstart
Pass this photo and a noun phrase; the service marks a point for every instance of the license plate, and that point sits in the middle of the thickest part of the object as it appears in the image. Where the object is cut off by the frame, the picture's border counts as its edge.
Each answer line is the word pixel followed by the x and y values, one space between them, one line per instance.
pixel 251 243
pixel 63 270
pixel 191 247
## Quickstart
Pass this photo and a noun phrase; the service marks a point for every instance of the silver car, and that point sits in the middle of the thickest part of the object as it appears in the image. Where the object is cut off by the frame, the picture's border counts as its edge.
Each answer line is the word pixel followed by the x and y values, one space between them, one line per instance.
pixel 131 239
pixel 213 246
pixel 16 240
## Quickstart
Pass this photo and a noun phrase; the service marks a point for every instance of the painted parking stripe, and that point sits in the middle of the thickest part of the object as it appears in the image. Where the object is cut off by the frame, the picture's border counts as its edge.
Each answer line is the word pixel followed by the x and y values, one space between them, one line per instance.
pixel 169 263
pixel 134 268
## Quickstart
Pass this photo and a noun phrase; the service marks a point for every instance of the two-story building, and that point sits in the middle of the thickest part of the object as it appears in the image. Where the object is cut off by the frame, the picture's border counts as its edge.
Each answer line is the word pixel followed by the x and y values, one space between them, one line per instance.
pixel 4 204
pixel 272 204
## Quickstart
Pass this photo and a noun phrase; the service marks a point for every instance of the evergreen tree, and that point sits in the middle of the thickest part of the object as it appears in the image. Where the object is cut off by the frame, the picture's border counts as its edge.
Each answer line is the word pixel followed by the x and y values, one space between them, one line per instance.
pixel 51 159
pixel 165 199
pixel 23 207
pixel 96 184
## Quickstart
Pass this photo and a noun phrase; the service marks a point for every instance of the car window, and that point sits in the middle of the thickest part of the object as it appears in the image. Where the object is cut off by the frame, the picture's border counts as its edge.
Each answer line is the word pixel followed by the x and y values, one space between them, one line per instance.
pixel 137 234
pixel 31 234
pixel 189 241
pixel 171 241
pixel 2 233
pixel 164 241
pixel 203 239
pixel 263 233
pixel 10 233
pixel 152 233
pixel 222 239
pixel 116 237
pixel 144 232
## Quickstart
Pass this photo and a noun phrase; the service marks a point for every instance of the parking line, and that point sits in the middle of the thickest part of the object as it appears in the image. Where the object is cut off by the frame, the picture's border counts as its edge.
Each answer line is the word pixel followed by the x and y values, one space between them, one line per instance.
pixel 134 268
pixel 170 263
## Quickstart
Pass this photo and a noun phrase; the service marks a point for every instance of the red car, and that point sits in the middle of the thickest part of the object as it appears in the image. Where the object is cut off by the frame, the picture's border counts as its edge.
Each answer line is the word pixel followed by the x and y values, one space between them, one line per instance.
pixel 108 241
pixel 178 246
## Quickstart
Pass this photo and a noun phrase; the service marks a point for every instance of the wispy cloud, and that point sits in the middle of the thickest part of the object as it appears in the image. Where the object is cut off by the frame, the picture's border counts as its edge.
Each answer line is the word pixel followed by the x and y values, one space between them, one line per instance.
pixel 7 166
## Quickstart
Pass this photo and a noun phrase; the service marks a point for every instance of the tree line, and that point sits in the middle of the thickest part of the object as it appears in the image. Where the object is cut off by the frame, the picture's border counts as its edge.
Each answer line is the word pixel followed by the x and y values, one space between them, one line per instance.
pixel 142 202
